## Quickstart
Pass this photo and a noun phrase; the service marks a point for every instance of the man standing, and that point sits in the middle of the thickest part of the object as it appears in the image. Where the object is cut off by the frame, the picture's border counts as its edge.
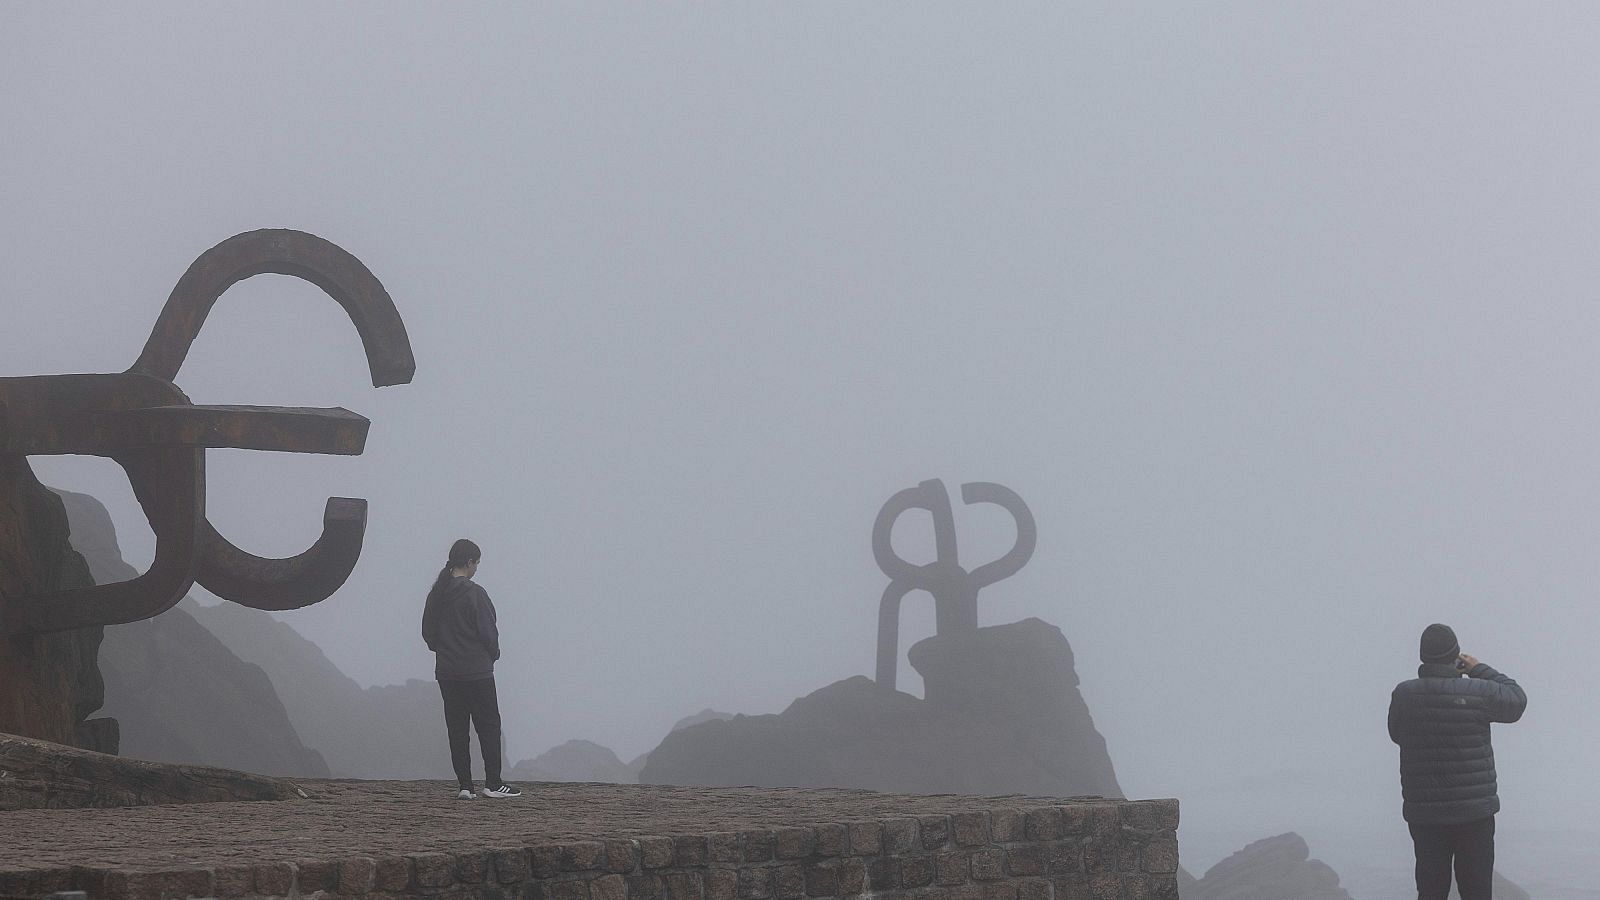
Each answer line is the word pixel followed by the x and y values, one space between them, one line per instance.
pixel 1441 720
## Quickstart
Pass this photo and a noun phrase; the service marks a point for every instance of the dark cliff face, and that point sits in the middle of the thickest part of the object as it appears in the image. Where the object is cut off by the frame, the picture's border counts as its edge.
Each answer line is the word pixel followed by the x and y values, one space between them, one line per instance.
pixel 1003 715
pixel 389 731
pixel 50 683
pixel 179 693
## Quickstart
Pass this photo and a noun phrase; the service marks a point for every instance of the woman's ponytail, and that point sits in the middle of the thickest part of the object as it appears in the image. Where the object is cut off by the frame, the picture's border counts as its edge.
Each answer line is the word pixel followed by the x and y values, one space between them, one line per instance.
pixel 462 552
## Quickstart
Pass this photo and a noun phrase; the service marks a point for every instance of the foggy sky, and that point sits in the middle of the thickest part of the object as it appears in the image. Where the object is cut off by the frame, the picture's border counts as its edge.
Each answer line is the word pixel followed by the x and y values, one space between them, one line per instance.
pixel 1281 320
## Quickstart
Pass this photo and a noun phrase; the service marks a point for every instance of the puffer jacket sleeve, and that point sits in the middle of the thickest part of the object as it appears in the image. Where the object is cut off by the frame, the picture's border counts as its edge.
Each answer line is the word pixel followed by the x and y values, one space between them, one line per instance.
pixel 1508 701
pixel 1394 716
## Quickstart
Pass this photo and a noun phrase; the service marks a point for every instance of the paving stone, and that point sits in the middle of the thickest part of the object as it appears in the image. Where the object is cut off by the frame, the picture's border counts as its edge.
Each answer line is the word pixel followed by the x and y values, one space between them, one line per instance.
pixel 689 850
pixel 935 831
pixel 683 885
pixel 866 838
pixel 722 884
pixel 951 867
pixel 755 883
pixel 832 840
pixel 788 882
pixel 643 886
pixel 393 874
pixel 275 879
pixel 724 847
pixel 988 864
pixel 313 875
pixel 433 870
pixel 795 843
pixel 822 879
pixel 608 887
pixel 356 875
pixel 510 864
pixel 757 845
pixel 658 851
pixel 971 828
pixel 916 871
pixel 622 857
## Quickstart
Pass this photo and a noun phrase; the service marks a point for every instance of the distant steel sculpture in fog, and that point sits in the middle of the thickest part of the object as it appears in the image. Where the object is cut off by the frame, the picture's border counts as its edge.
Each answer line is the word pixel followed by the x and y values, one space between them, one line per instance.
pixel 954 589
pixel 143 422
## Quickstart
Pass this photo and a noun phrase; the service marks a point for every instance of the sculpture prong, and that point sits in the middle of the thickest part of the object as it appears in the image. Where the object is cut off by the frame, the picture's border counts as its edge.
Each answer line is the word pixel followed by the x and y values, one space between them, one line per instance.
pixel 278 584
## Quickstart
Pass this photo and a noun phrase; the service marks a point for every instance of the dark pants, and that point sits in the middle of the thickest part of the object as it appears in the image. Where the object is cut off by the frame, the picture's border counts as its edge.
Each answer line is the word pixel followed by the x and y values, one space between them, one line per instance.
pixel 1470 845
pixel 473 701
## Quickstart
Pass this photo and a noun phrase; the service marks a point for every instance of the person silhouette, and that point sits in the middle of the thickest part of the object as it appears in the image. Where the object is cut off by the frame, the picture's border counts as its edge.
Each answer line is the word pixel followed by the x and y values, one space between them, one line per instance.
pixel 1441 721
pixel 459 626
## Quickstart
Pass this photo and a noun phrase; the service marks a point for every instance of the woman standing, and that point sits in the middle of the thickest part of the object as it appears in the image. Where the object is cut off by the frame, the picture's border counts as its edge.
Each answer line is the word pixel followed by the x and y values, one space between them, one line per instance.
pixel 458 623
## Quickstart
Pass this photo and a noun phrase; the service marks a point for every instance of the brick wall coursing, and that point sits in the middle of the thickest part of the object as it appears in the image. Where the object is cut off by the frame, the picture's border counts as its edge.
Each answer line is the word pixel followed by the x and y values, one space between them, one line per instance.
pixel 1099 850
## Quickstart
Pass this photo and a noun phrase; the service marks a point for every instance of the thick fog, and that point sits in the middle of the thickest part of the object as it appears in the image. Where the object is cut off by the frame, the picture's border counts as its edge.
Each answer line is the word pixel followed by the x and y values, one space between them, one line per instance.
pixel 1281 318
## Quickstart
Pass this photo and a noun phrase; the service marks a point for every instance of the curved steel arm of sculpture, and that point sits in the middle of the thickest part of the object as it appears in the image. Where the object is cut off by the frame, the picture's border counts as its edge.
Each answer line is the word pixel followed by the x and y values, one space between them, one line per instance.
pixel 143 421
pixel 281 251
pixel 889 632
pixel 1027 533
pixel 170 485
pixel 279 584
pixel 954 589
pixel 313 575
pixel 931 496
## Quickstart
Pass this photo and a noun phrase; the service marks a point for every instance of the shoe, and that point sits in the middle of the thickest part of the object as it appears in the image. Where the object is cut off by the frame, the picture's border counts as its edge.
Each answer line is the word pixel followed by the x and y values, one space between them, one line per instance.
pixel 504 790
pixel 466 794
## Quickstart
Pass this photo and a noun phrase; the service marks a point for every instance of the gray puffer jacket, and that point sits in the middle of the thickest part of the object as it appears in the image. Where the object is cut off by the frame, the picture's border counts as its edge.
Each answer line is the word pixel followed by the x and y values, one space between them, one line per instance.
pixel 1441 722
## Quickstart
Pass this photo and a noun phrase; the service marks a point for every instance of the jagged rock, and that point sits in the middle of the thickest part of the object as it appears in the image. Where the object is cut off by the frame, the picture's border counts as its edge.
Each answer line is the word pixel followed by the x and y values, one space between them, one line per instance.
pixel 705 715
pixel 180 695
pixel 1269 869
pixel 38 774
pixel 49 683
pixel 1003 715
pixel 388 731
pixel 588 761
pixel 574 761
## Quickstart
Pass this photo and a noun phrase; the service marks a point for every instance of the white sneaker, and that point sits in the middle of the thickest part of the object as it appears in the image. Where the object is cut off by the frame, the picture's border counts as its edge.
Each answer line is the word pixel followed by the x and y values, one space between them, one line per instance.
pixel 465 794
pixel 504 790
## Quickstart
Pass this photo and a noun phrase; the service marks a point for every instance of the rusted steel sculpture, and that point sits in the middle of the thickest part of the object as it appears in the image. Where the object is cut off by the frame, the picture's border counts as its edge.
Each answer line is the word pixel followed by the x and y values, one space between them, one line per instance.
pixel 142 421
pixel 954 589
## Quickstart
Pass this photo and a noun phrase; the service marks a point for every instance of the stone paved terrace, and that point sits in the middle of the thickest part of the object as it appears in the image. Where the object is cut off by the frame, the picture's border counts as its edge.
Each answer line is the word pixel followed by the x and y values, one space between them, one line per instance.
pixel 601 842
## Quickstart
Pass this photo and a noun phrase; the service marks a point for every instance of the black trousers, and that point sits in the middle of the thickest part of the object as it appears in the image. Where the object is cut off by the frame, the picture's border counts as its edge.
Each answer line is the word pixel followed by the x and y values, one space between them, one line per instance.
pixel 1469 845
pixel 475 702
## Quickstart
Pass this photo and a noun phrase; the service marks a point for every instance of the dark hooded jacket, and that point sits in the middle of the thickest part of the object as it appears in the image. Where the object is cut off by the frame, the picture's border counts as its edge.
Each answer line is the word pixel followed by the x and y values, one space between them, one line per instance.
pixel 1441 722
pixel 458 622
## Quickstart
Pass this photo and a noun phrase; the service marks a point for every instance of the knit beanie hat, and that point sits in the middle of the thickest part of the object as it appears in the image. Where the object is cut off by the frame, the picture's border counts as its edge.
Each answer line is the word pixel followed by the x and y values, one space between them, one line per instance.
pixel 1439 644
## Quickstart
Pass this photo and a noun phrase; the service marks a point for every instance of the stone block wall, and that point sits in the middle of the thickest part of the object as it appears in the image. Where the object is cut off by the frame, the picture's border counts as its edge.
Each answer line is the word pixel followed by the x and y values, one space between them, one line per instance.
pixel 901 848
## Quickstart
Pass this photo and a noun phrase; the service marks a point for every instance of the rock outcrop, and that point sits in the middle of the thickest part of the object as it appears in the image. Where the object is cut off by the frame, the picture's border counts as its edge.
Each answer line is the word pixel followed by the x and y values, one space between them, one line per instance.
pixel 389 731
pixel 574 761
pixel 41 775
pixel 179 694
pixel 1003 715
pixel 588 761
pixel 49 683
pixel 1279 866
pixel 1282 866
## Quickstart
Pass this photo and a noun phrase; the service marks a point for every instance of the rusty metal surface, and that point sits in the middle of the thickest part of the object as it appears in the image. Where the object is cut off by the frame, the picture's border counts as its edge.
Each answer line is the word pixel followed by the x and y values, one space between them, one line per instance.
pixel 141 420
pixel 954 588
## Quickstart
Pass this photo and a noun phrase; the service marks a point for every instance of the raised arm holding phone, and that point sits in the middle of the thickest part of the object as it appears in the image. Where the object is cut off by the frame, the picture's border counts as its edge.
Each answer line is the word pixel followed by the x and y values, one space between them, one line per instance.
pixel 1441 721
